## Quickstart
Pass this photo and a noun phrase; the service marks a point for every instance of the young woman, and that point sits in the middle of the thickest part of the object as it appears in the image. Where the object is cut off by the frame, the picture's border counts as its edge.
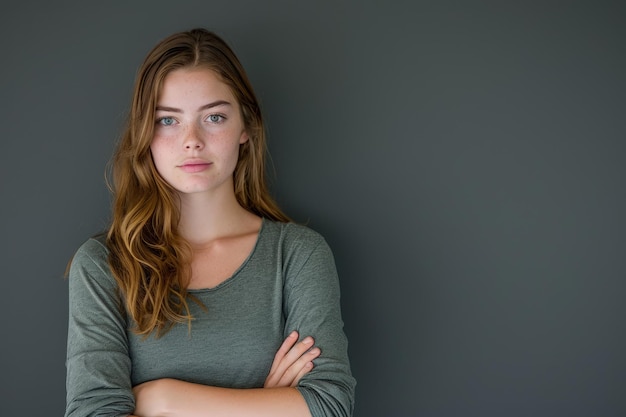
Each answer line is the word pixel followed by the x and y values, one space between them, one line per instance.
pixel 202 299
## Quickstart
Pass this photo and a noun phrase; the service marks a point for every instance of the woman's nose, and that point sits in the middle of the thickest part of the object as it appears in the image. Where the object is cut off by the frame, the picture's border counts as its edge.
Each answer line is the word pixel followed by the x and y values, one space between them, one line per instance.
pixel 193 138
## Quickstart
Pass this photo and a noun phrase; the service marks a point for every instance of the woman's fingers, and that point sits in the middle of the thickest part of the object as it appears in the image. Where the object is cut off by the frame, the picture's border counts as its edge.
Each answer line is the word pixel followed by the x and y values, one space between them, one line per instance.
pixel 288 343
pixel 290 375
pixel 292 361
pixel 284 349
pixel 301 367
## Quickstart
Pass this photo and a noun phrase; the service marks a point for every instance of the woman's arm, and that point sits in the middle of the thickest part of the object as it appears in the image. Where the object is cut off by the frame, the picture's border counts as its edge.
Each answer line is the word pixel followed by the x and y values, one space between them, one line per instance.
pixel 174 398
pixel 98 364
pixel 312 306
pixel 170 397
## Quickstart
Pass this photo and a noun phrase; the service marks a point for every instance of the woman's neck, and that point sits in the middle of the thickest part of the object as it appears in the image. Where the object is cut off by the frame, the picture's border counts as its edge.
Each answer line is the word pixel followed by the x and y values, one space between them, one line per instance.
pixel 205 218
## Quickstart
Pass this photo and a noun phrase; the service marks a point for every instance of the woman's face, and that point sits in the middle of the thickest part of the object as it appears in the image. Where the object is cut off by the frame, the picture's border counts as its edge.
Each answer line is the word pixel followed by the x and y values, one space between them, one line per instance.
pixel 198 132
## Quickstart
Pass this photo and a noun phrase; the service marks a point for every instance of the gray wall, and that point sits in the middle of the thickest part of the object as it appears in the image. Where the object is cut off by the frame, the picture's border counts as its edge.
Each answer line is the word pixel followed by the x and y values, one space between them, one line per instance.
pixel 465 160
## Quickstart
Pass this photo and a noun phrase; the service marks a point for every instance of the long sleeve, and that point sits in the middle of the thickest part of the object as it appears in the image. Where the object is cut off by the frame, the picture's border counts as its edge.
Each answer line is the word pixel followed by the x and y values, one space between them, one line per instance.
pixel 289 283
pixel 312 306
pixel 98 364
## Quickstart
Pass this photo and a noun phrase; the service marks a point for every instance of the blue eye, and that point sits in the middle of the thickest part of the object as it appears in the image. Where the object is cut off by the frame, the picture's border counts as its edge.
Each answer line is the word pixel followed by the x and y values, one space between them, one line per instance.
pixel 215 118
pixel 166 121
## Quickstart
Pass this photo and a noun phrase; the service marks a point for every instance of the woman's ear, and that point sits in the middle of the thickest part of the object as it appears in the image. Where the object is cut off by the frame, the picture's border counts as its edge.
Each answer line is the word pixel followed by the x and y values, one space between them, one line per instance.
pixel 244 137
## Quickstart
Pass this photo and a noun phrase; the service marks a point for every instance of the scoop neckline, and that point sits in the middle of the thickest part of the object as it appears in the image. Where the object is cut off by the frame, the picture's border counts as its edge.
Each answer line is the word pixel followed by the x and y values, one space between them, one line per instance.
pixel 235 274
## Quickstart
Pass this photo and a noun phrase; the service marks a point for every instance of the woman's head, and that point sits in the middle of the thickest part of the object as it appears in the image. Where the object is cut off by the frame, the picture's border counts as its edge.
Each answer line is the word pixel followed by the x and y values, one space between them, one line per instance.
pixel 197 48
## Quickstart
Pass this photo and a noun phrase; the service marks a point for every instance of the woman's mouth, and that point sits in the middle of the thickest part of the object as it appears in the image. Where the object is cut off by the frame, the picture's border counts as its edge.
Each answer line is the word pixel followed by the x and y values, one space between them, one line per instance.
pixel 192 167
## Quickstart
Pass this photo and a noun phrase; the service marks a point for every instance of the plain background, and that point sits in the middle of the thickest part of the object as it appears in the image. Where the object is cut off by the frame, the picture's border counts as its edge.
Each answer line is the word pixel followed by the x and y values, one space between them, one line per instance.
pixel 465 160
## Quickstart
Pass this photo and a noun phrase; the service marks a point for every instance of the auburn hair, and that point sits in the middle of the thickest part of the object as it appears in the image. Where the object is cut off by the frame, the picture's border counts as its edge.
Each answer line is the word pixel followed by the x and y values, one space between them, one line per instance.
pixel 149 259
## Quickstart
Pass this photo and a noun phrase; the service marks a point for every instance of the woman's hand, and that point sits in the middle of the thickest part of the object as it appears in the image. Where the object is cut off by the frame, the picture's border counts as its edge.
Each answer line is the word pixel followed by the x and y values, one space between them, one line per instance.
pixel 291 362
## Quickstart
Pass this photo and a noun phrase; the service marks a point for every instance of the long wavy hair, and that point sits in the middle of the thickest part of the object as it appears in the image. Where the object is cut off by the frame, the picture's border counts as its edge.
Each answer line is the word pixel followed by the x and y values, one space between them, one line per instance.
pixel 149 259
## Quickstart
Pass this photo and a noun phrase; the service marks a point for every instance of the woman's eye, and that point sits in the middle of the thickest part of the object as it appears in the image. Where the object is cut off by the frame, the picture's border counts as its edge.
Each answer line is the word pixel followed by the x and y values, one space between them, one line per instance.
pixel 215 118
pixel 166 121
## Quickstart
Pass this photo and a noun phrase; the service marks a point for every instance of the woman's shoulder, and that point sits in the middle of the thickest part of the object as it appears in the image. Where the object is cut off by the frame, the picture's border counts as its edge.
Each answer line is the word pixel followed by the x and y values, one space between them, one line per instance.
pixel 294 243
pixel 94 247
pixel 291 233
pixel 92 254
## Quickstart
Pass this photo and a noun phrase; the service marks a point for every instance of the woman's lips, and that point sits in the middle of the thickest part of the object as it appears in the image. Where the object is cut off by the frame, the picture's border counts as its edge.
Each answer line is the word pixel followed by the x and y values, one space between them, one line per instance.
pixel 192 167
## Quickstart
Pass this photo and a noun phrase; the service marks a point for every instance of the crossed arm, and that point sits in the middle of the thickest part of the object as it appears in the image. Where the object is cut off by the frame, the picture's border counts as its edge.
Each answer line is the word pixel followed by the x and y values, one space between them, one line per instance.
pixel 99 365
pixel 277 398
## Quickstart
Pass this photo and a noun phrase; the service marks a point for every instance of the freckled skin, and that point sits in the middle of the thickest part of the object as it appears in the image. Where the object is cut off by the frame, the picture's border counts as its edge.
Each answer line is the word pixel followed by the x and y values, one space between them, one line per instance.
pixel 198 132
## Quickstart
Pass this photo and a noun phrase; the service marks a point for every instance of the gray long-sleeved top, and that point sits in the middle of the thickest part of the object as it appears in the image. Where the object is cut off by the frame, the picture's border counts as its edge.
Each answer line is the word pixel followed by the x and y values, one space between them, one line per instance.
pixel 289 282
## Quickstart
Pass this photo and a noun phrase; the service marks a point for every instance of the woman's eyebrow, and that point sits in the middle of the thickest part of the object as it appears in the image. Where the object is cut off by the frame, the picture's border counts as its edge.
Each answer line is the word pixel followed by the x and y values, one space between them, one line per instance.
pixel 214 104
pixel 201 108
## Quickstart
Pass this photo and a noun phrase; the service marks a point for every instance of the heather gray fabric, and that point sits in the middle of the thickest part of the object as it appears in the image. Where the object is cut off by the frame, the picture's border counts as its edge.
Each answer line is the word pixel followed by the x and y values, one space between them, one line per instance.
pixel 289 282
